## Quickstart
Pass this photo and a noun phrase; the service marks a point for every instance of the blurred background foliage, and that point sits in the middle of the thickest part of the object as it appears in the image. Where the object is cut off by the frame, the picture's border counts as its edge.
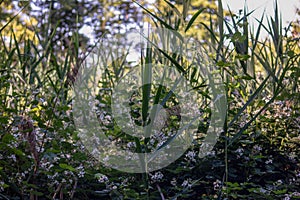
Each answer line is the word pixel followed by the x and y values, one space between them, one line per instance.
pixel 21 21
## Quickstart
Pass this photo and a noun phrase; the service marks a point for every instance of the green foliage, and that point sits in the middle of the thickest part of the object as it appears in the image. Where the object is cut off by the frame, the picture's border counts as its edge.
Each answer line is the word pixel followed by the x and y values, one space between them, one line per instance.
pixel 256 157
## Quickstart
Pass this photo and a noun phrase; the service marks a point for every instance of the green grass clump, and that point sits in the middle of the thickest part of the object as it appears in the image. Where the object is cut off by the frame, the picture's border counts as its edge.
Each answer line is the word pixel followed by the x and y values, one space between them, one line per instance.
pixel 255 157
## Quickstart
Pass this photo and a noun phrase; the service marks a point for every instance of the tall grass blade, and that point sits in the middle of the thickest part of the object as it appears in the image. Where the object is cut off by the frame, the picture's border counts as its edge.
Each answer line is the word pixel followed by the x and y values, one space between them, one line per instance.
pixel 146 79
pixel 154 16
pixel 250 100
pixel 177 65
pixel 192 20
pixel 220 21
pixel 266 65
pixel 11 19
pixel 241 131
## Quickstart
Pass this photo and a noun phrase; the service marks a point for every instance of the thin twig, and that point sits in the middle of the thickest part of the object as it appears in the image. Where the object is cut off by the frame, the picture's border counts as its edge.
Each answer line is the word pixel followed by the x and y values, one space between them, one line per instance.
pixel 57 190
pixel 74 188
pixel 160 192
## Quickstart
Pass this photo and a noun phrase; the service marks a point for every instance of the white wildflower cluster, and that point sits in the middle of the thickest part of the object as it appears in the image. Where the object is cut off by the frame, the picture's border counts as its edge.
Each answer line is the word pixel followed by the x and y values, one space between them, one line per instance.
pixel 158 138
pixel 13 157
pixel 264 191
pixel 104 117
pixel 292 157
pixel 287 197
pixel 294 195
pixel 124 182
pixel 41 139
pixel 53 178
pixel 101 178
pixel 2 186
pixel 20 177
pixel 283 109
pixel 206 150
pixel 279 182
pixel 239 152
pixel 236 94
pixel 246 158
pixel 211 153
pixel 68 177
pixel 131 145
pixel 269 161
pixel 81 171
pixel 187 183
pixel 112 187
pixel 106 158
pixel 243 119
pixel 217 184
pixel 156 177
pixel 46 165
pixel 257 149
pixel 292 180
pixel 174 182
pixel 266 99
pixel 190 156
pixel 19 138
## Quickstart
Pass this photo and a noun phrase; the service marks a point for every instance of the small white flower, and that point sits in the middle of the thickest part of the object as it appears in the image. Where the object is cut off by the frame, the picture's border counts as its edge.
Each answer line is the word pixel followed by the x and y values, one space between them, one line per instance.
pixel 106 159
pixel 211 153
pixel 81 174
pixel 15 129
pixel 108 117
pixel 287 197
pixel 130 145
pixel 101 178
pixel 56 158
pixel 187 183
pixel 269 161
pixel 296 194
pixel 217 184
pixel 174 182
pixel 2 186
pixel 262 190
pixel 257 148
pixel 190 156
pixel 157 176
pixel 239 151
pixel 81 171
pixel 13 157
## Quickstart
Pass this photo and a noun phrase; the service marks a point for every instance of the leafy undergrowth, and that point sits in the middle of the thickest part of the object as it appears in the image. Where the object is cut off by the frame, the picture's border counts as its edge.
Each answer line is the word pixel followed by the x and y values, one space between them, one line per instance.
pixel 256 157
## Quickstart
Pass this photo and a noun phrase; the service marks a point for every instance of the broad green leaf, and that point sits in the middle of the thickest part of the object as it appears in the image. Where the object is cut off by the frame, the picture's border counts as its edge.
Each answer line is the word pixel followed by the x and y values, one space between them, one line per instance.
pixel 66 166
